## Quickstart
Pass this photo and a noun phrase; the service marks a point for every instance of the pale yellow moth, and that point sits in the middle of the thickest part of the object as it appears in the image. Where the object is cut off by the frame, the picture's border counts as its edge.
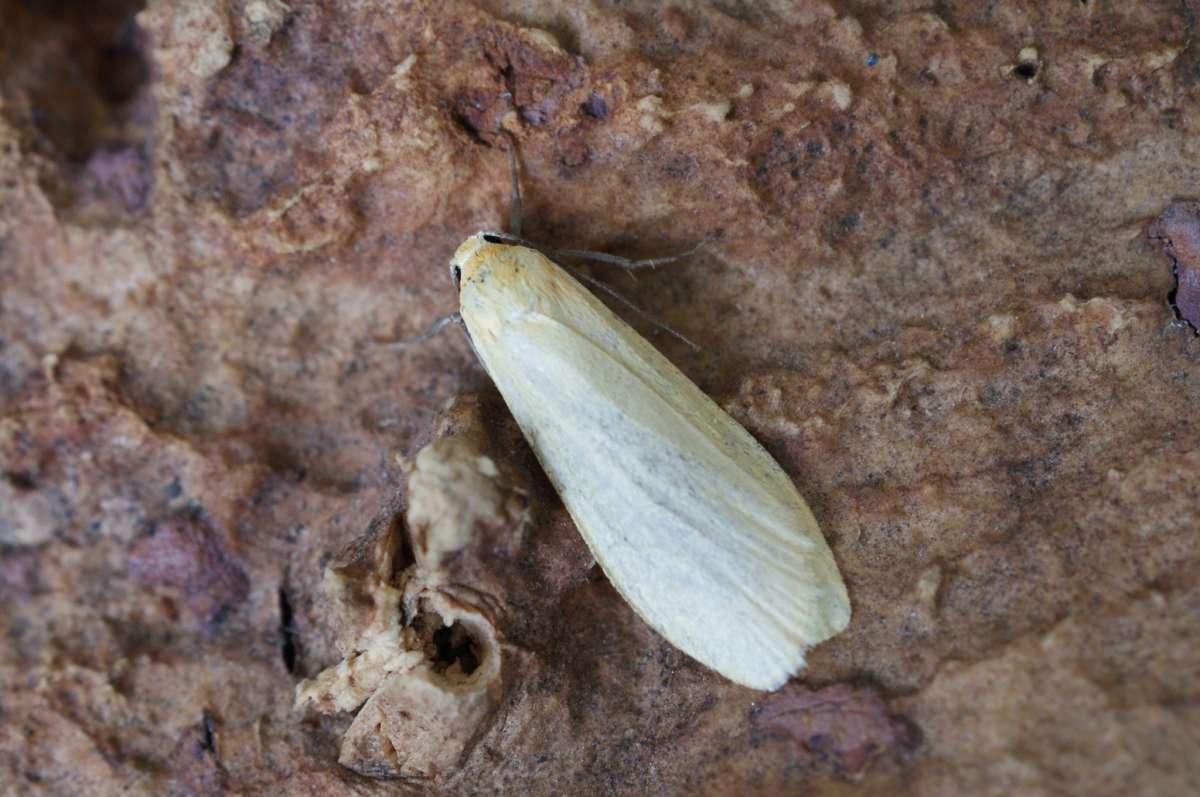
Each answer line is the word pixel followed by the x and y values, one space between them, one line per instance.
pixel 693 522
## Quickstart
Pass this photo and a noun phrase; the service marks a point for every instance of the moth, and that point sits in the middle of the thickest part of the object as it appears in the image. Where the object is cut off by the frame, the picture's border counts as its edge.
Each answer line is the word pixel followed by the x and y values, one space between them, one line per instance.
pixel 693 522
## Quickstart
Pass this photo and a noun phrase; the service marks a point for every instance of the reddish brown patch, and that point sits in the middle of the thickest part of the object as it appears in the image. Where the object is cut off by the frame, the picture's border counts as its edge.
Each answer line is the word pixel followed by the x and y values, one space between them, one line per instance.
pixel 479 111
pixel 845 725
pixel 183 555
pixel 538 78
pixel 1178 230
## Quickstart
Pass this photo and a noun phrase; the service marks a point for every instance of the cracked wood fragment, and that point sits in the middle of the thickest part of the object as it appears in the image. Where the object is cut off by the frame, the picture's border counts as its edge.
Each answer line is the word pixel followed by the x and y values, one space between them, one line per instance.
pixel 418 617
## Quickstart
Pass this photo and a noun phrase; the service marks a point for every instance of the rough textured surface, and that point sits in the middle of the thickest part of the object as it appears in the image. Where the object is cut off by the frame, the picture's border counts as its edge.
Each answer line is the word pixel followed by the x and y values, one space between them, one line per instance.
pixel 934 299
pixel 1178 230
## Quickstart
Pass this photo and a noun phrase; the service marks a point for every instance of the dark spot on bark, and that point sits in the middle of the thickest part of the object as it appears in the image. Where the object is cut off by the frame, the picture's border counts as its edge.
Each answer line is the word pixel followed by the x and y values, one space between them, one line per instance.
pixel 193 763
pixel 207 732
pixel 1026 71
pixel 72 103
pixel 80 106
pixel 21 481
pixel 595 107
pixel 992 395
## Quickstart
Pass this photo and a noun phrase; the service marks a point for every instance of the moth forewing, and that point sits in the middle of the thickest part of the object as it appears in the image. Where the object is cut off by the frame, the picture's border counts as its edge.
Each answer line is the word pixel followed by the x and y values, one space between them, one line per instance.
pixel 693 522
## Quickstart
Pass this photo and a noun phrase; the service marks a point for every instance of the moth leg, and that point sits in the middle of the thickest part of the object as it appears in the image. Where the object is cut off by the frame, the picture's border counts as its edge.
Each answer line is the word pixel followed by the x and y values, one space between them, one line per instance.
pixel 436 327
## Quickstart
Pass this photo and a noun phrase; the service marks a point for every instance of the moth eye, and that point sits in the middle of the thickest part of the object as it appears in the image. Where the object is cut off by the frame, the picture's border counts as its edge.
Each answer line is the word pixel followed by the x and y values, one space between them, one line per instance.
pixel 457 272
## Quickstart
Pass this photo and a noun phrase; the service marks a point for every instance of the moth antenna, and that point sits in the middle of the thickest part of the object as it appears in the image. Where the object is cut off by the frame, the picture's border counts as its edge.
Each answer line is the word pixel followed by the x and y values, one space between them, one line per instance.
pixel 629 263
pixel 632 307
pixel 435 328
pixel 498 237
pixel 508 238
pixel 600 257
pixel 514 206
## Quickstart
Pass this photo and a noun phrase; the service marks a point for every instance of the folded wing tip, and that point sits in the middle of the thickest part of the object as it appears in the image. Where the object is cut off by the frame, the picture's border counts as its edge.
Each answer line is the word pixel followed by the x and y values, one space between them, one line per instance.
pixel 767 673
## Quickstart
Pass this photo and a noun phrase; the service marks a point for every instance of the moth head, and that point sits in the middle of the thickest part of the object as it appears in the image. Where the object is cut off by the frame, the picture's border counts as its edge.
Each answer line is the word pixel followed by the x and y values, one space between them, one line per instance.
pixel 465 260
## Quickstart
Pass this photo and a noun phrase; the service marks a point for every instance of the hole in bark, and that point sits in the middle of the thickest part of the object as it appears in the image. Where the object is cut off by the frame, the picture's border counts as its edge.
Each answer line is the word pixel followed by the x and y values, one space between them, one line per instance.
pixel 404 557
pixel 455 646
pixel 1026 71
pixel 450 649
pixel 287 632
